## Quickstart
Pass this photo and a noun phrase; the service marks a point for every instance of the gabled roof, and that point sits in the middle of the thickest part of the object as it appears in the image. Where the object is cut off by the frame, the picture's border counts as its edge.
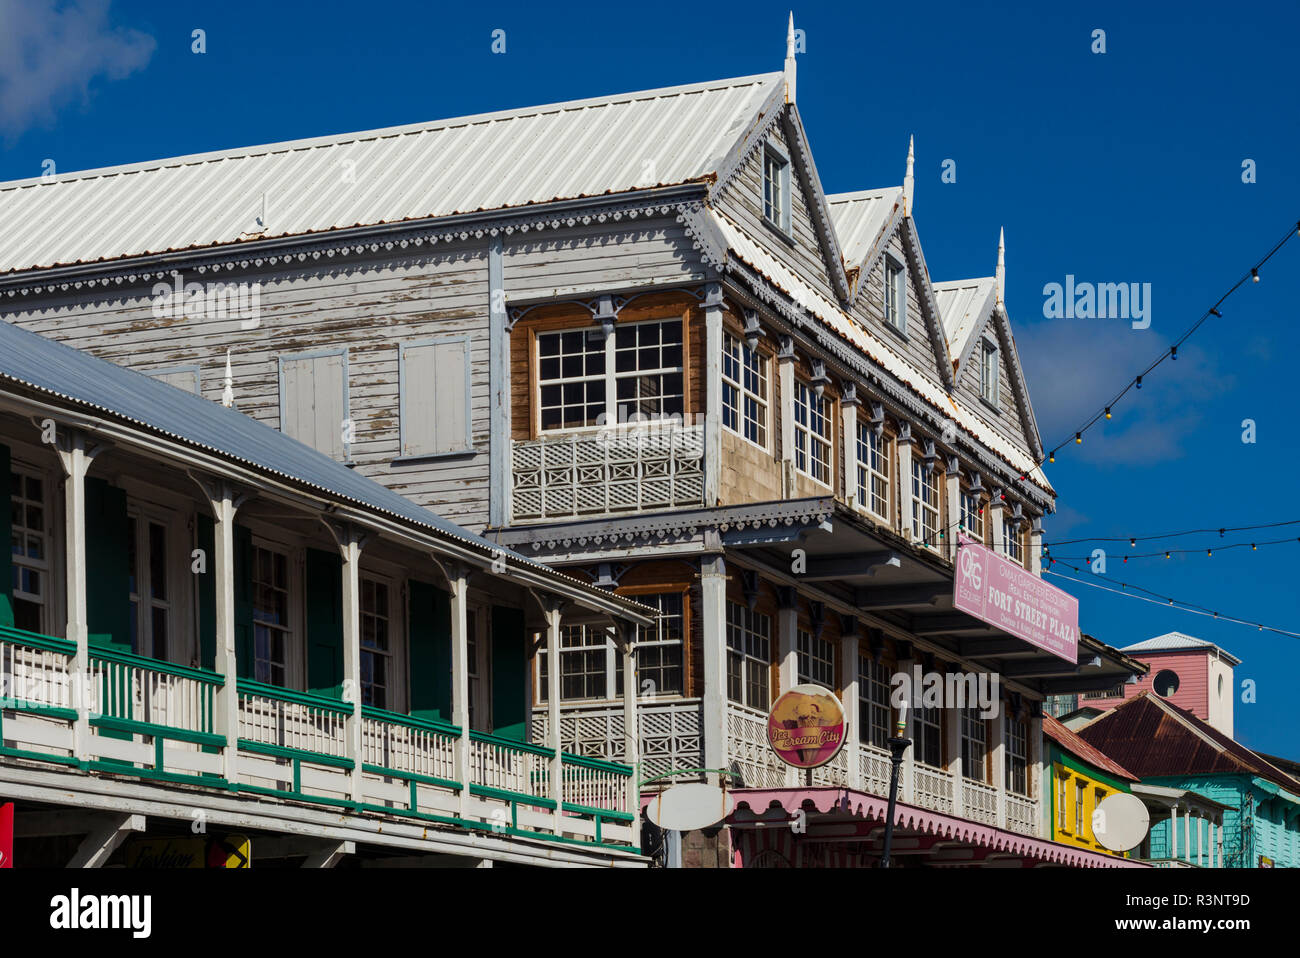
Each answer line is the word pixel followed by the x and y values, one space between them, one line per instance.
pixel 1155 738
pixel 1080 749
pixel 964 306
pixel 861 222
pixel 30 360
pixel 1179 642
pixel 504 160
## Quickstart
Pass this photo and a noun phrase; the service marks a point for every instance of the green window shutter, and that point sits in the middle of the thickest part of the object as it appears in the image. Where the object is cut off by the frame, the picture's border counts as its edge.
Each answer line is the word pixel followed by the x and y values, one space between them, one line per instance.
pixel 243 538
pixel 325 623
pixel 6 550
pixel 108 567
pixel 509 674
pixel 430 651
pixel 207 541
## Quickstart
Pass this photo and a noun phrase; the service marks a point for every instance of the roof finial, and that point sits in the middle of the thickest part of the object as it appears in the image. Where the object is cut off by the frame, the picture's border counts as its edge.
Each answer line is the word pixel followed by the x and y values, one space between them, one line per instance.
pixel 228 394
pixel 908 180
pixel 789 61
pixel 1000 276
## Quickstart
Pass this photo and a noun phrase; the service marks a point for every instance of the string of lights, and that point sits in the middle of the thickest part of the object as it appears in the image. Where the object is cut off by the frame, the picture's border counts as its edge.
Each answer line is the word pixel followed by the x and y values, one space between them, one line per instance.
pixel 1170 553
pixel 1134 540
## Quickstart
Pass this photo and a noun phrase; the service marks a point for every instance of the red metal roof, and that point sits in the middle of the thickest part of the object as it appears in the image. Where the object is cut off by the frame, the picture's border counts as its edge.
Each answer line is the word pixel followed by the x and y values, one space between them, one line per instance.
pixel 1080 749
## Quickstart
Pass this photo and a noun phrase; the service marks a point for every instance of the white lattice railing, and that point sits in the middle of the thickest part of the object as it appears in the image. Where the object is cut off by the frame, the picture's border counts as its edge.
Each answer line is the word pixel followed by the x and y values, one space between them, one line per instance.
pixel 979 802
pixel 619 470
pixel 932 788
pixel 748 747
pixel 873 770
pixel 669 734
pixel 1022 814
pixel 834 772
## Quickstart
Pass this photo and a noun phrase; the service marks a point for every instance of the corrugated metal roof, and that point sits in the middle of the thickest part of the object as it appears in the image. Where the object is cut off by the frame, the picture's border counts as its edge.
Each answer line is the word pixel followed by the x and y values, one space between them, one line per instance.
pixel 751 252
pixel 1176 641
pixel 509 159
pixel 59 370
pixel 860 218
pixel 1155 738
pixel 963 304
pixel 1077 747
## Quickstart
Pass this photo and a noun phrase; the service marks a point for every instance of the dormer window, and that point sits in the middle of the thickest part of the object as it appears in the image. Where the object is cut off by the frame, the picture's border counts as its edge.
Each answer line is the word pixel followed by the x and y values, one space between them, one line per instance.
pixel 776 188
pixel 989 373
pixel 895 296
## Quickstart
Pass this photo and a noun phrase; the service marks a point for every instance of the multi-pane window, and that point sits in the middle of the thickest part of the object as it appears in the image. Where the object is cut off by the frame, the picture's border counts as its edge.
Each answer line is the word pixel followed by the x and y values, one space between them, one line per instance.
pixel 873 703
pixel 376 647
pixel 812 433
pixel 1062 809
pixel 972 518
pixel 925 504
pixel 873 471
pixel 1017 761
pixel 476 669
pixel 150 598
pixel 1011 535
pixel 29 545
pixel 927 737
pixel 584 671
pixel 749 656
pixel 816 659
pixel 776 190
pixel 659 648
pixel 989 373
pixel 271 633
pixel 1080 790
pixel 588 379
pixel 744 391
pixel 974 744
pixel 895 296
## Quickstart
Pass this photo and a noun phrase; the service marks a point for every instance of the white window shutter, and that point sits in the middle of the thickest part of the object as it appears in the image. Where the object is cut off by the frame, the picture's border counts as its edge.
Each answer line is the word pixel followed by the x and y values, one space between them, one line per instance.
pixel 435 398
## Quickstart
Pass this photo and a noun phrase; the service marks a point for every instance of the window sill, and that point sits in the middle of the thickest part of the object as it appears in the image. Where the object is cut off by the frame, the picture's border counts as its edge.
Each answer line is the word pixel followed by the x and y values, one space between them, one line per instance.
pixel 786 235
pixel 900 333
pixel 997 411
pixel 434 457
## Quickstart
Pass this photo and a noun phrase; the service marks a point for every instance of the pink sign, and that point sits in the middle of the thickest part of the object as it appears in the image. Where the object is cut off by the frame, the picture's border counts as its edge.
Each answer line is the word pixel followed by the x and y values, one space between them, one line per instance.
pixel 998 591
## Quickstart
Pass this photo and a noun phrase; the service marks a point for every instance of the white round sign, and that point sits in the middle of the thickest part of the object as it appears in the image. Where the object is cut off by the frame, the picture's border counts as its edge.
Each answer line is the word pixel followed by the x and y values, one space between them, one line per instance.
pixel 1120 822
pixel 689 805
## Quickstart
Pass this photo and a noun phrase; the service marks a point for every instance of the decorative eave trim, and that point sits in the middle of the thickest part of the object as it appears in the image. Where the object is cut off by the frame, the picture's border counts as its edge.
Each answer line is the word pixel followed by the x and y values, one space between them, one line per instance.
pixel 985 310
pixel 768 116
pixel 832 256
pixel 912 248
pixel 1028 423
pixel 872 260
pixel 356 241
pixel 703 235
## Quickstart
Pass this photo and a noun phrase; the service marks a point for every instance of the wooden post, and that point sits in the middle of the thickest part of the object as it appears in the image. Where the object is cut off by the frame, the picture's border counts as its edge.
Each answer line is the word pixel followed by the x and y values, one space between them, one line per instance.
pixel 1173 830
pixel 552 610
pixel 852 710
pixel 785 378
pixel 849 404
pixel 1036 773
pixel 457 577
pixel 905 506
pixel 350 543
pixel 998 766
pixel 631 728
pixel 713 635
pixel 75 459
pixel 500 453
pixel 225 720
pixel 948 523
pixel 712 394
pixel 907 772
pixel 787 623
pixel 952 745
pixel 997 534
pixel 1036 546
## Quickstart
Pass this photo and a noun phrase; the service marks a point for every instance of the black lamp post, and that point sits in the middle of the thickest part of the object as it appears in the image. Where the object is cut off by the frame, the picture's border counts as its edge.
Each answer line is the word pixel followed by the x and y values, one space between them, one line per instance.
pixel 897 746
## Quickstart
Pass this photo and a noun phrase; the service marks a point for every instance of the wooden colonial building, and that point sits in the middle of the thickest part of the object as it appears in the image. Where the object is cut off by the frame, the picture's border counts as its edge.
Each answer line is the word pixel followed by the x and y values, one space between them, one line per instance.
pixel 631 337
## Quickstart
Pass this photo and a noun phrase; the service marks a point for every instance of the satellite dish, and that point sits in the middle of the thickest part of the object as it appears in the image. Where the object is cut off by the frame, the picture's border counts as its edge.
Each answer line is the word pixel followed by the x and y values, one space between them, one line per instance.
pixel 1120 822
pixel 689 805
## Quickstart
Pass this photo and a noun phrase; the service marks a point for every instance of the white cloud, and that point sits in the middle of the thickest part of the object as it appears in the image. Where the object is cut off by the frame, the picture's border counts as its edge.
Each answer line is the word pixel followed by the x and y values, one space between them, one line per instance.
pixel 50 54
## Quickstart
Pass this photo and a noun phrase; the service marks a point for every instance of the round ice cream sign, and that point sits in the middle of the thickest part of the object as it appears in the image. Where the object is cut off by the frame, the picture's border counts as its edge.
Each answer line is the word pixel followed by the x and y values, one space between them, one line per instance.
pixel 806 726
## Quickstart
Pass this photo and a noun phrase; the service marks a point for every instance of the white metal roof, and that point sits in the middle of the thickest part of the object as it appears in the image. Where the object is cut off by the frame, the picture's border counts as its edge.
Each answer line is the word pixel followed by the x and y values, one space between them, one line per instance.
pixel 963 304
pixel 860 219
pixel 1175 641
pixel 509 159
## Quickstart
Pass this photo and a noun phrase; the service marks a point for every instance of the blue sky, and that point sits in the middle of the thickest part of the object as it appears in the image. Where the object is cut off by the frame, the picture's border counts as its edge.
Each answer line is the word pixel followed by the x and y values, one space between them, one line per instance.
pixel 1117 167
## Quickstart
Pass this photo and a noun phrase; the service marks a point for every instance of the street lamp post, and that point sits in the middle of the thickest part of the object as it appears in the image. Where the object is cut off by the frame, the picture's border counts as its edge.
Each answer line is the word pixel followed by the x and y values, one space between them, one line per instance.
pixel 897 746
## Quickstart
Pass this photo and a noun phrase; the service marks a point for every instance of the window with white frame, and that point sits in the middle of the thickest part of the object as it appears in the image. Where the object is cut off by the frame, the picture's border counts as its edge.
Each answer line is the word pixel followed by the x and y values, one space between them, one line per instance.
pixel 927 737
pixel 873 471
pixel 972 516
pixel 895 295
pixel 271 623
pixel 151 599
pixel 744 390
pixel 816 659
pixel 989 372
pixel 1011 536
pixel 1063 791
pixel 873 703
pixel 812 433
pixel 925 503
pixel 584 663
pixel 776 189
pixel 749 656
pixel 1017 761
pixel 1080 790
pixel 974 745
pixel 30 547
pixel 377 674
pixel 588 379
pixel 659 648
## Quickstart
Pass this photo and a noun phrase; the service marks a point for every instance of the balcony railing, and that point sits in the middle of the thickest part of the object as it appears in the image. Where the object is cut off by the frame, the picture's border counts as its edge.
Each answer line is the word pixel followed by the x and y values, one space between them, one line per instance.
pixel 670 738
pixel 1022 814
pixel 748 747
pixel 932 788
pixel 620 470
pixel 979 802
pixel 151 719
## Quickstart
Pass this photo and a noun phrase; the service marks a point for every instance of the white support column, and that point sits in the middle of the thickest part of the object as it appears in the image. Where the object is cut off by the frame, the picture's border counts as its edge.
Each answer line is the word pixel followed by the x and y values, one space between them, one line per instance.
pixel 1218 841
pixel 1036 546
pixel 75 459
pixel 952 490
pixel 785 378
pixel 952 745
pixel 97 847
pixel 906 773
pixel 225 721
pixel 553 709
pixel 998 766
pixel 1187 833
pixel 457 578
pixel 350 543
pixel 500 451
pixel 787 624
pixel 1036 773
pixel 849 404
pixel 1173 830
pixel 631 729
pixel 712 394
pixel 713 637
pixel 904 511
pixel 996 511
pixel 852 711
